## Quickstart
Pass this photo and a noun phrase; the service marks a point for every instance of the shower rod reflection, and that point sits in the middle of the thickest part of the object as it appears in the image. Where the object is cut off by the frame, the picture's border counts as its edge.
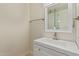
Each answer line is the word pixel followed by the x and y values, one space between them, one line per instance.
pixel 37 20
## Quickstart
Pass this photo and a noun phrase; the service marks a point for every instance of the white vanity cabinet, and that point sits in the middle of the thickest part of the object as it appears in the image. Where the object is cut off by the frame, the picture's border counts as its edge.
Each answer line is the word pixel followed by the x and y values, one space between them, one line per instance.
pixel 50 47
pixel 59 17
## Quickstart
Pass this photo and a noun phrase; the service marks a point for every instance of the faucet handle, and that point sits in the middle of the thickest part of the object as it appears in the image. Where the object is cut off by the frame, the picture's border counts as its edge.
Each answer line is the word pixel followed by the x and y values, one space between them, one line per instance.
pixel 55 36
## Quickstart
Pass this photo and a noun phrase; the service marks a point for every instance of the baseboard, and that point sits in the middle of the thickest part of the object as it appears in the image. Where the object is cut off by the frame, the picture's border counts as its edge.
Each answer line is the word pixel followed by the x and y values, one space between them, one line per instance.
pixel 27 53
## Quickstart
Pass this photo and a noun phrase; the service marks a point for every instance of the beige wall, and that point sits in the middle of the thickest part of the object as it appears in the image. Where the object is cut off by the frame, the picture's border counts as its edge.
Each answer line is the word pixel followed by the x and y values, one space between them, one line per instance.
pixel 36 12
pixel 36 27
pixel 14 21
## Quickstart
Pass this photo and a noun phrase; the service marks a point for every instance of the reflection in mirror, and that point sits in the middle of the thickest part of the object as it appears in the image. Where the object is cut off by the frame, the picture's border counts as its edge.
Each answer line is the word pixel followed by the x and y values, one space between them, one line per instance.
pixel 58 16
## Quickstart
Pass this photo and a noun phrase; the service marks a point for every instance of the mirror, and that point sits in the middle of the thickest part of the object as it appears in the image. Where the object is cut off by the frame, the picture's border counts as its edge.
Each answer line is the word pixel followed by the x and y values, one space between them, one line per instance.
pixel 58 17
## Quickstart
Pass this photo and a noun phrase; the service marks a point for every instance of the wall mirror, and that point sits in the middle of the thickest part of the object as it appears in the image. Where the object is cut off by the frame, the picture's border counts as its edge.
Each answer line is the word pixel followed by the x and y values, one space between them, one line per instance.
pixel 58 17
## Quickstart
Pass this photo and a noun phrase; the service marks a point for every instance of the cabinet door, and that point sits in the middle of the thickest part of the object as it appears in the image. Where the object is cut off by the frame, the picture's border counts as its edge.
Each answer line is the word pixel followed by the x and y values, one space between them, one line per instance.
pixel 59 17
pixel 37 51
pixel 43 51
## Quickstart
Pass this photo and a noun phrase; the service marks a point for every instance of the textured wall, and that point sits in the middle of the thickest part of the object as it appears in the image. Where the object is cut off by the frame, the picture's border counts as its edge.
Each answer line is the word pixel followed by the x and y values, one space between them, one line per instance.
pixel 14 23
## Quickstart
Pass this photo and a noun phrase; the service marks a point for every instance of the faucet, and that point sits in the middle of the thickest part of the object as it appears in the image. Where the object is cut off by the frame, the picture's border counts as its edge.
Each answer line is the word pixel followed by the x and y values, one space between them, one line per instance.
pixel 55 36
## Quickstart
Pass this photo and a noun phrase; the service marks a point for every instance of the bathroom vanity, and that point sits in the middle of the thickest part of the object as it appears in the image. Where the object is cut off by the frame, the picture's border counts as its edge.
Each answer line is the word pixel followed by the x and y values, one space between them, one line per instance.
pixel 50 47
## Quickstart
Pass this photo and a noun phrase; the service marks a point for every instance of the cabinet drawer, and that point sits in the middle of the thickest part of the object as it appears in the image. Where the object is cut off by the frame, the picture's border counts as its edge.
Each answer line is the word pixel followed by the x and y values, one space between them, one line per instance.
pixel 43 51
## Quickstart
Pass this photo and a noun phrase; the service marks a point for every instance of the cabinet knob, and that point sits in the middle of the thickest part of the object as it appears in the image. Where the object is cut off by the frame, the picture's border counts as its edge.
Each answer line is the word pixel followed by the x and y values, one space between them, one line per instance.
pixel 39 49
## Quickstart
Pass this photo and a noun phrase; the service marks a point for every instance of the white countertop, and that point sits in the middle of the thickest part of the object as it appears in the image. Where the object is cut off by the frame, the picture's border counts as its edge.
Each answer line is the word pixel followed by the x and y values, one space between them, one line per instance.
pixel 69 48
